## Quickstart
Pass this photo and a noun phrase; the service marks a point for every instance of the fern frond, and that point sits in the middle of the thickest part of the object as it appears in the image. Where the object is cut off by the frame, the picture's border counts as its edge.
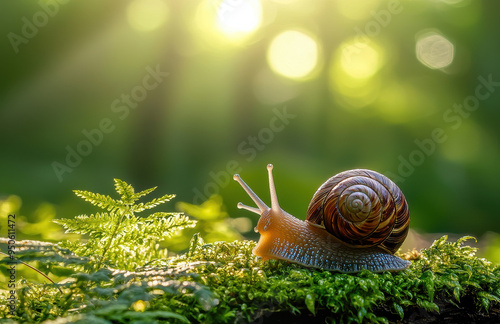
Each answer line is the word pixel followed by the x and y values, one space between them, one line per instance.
pixel 126 191
pixel 119 237
pixel 153 203
pixel 105 202
pixel 156 227
pixel 97 225
pixel 164 225
pixel 144 192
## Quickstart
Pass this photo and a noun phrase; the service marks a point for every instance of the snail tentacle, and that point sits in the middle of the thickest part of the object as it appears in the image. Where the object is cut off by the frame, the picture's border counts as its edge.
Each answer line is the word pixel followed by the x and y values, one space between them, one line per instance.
pixel 249 208
pixel 260 204
pixel 274 197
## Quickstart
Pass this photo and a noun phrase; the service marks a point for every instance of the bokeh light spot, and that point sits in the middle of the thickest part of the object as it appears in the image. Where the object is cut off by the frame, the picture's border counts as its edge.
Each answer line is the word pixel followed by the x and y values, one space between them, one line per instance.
pixel 293 54
pixel 360 59
pixel 352 72
pixel 147 15
pixel 434 51
pixel 239 16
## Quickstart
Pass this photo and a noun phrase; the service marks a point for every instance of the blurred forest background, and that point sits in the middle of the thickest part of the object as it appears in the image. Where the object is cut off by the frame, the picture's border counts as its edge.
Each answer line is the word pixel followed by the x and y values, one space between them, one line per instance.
pixel 182 94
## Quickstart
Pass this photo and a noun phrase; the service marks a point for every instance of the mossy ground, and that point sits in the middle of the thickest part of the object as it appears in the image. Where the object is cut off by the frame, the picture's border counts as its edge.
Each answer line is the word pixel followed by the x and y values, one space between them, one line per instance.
pixel 225 283
pixel 443 279
pixel 119 274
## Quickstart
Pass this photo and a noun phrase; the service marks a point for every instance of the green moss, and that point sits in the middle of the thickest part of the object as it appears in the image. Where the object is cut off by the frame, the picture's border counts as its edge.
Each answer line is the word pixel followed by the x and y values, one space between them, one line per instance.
pixel 445 276
pixel 225 283
pixel 99 282
pixel 98 279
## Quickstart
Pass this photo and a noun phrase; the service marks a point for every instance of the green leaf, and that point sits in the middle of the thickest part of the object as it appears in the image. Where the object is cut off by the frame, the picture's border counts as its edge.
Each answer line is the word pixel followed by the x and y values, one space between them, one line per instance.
pixel 399 310
pixel 489 296
pixel 97 225
pixel 210 210
pixel 427 305
pixel 485 302
pixel 105 202
pixel 120 238
pixel 472 283
pixel 440 241
pixel 310 301
pixel 361 314
pixel 357 301
pixel 110 310
pixel 62 271
pixel 125 190
pixel 465 238
pixel 195 242
pixel 456 293
pixel 144 193
pixel 153 203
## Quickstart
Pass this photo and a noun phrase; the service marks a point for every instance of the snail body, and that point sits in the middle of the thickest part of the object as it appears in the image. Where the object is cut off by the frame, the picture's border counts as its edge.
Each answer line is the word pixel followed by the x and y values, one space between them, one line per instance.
pixel 356 220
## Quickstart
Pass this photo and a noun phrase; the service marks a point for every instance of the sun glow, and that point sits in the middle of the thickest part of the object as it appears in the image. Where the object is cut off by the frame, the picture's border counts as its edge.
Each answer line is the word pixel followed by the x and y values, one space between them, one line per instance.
pixel 239 16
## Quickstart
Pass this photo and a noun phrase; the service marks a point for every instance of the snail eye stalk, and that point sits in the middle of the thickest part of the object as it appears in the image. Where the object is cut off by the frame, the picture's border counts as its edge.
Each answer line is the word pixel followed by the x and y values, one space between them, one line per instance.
pixel 260 204
pixel 274 197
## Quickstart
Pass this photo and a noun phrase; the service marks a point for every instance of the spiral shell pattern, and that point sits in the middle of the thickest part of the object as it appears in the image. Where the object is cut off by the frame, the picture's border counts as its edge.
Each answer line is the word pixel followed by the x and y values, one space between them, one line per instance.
pixel 361 208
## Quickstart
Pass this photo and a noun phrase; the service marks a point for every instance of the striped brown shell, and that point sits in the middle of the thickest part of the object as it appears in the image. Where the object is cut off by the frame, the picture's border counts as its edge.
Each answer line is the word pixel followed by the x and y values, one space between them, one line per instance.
pixel 361 208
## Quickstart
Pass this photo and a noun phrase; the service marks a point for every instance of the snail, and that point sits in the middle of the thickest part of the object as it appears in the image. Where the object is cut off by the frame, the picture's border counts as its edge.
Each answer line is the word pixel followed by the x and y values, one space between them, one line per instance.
pixel 356 220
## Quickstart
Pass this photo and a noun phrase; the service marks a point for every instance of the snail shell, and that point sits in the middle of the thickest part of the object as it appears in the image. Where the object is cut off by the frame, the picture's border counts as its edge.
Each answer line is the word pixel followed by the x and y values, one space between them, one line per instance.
pixel 361 208
pixel 356 220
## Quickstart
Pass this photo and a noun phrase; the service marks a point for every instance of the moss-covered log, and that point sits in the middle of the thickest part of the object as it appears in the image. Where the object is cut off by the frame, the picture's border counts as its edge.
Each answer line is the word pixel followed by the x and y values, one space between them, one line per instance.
pixel 226 283
pixel 445 282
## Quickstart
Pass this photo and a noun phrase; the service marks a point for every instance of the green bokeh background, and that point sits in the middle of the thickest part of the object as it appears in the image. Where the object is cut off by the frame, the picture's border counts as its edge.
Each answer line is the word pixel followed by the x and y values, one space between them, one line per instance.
pixel 221 89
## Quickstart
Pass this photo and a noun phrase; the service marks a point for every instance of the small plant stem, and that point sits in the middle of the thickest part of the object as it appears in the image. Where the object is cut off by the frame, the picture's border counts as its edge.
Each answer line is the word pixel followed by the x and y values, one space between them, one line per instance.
pixel 106 248
pixel 33 268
